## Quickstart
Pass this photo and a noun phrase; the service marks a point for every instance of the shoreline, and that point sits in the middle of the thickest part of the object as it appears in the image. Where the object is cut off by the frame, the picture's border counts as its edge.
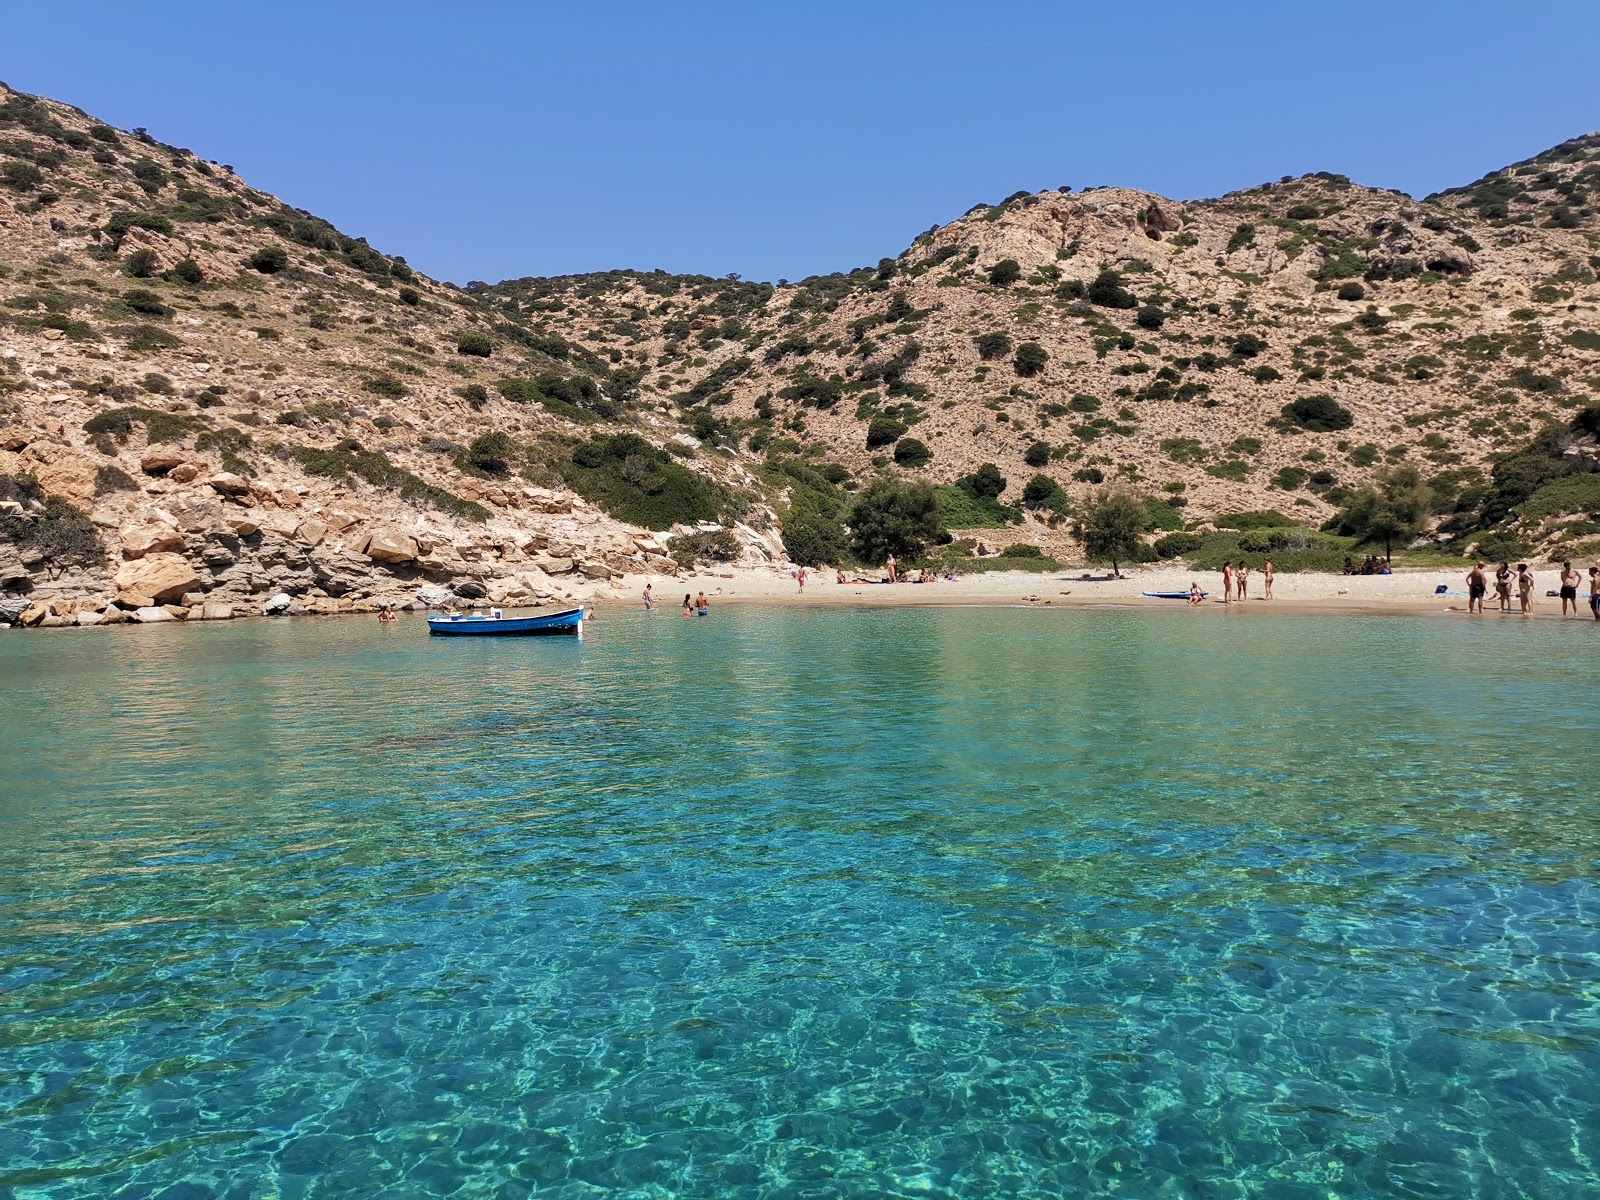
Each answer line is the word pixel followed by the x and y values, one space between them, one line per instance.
pixel 1409 591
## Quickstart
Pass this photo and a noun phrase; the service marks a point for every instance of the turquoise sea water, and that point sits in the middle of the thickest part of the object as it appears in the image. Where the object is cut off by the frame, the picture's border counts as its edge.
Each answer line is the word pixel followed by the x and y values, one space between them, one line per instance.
pixel 803 904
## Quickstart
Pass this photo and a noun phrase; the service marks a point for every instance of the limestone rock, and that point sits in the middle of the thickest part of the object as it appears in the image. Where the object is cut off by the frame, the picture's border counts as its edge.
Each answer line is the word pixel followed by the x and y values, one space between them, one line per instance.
pixel 311 531
pixel 390 545
pixel 434 596
pixel 184 472
pixel 229 484
pixel 158 460
pixel 160 576
pixel 88 617
pixel 152 615
pixel 214 610
pixel 11 609
pixel 281 603
pixel 151 537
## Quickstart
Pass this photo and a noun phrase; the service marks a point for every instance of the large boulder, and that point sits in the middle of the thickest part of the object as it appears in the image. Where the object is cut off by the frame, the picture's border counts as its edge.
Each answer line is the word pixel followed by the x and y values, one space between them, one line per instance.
pixel 12 608
pixel 150 616
pixel 159 576
pixel 229 484
pixel 432 595
pixel 149 538
pixel 213 611
pixel 281 603
pixel 158 460
pixel 390 545
pixel 311 531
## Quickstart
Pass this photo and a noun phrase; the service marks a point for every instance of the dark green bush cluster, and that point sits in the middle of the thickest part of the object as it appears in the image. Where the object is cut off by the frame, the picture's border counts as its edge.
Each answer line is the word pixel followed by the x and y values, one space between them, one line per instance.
pixel 1319 414
pixel 476 344
pixel 635 482
pixel 1037 455
pixel 712 546
pixel 1109 291
pixel 992 345
pixel 912 452
pixel 575 397
pixel 489 454
pixel 347 460
pixel 146 303
pixel 1005 272
pixel 385 384
pixel 61 533
pixel 1030 359
pixel 892 516
pixel 883 431
pixel 1177 545
pixel 141 264
pixel 1043 492
pixel 268 260
pixel 158 426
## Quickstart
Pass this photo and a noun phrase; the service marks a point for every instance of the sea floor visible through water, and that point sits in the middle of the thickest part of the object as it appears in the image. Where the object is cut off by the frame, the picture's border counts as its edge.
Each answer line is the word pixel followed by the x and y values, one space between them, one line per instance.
pixel 790 903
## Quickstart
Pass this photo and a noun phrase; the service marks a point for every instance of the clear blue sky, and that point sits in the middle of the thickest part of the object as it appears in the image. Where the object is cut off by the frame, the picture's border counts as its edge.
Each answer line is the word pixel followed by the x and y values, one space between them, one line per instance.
pixel 492 139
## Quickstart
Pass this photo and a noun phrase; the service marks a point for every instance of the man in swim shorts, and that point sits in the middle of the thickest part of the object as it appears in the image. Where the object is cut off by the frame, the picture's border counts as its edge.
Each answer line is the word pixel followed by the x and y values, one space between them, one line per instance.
pixel 1477 588
pixel 1594 591
pixel 1569 588
pixel 649 598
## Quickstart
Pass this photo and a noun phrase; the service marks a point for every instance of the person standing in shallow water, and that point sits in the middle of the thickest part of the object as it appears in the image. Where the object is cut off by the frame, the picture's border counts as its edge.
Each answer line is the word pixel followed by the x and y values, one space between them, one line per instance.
pixel 1241 581
pixel 702 606
pixel 649 598
pixel 1227 582
pixel 1570 579
pixel 1477 588
pixel 1525 588
pixel 1266 578
pixel 688 605
pixel 1594 592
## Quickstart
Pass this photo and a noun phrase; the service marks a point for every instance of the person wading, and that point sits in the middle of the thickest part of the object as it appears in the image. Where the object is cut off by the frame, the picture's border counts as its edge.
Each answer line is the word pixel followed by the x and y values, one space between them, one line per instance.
pixel 1570 579
pixel 1477 588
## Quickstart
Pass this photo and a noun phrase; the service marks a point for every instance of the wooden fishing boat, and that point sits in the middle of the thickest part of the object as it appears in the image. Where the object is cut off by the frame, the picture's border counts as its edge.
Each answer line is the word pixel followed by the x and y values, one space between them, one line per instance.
pixel 567 621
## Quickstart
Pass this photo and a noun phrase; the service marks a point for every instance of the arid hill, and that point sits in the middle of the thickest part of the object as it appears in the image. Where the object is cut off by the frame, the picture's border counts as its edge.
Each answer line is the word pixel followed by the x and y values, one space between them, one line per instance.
pixel 210 397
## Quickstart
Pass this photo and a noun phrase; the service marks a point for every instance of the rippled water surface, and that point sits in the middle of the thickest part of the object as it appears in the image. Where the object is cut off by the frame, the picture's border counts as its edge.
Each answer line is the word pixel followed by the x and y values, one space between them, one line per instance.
pixel 803 904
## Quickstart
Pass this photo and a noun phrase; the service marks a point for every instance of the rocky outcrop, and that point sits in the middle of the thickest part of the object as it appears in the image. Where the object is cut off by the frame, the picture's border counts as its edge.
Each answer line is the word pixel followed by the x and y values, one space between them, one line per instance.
pixel 151 537
pixel 155 578
pixel 389 545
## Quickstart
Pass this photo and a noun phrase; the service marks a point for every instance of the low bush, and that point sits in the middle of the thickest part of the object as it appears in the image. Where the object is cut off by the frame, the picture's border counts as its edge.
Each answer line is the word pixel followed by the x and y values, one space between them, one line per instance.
pixel 884 431
pixel 960 509
pixel 1319 414
pixel 475 394
pixel 1043 492
pixel 147 337
pixel 385 384
pixel 992 345
pixel 474 344
pixel 141 264
pixel 61 533
pixel 1177 545
pixel 1037 455
pixel 1030 359
pixel 158 426
pixel 1351 291
pixel 711 546
pixel 347 460
pixel 1005 272
pixel 145 302
pixel 268 260
pixel 910 452
pixel 187 271
pixel 638 483
pixel 409 296
pixel 489 453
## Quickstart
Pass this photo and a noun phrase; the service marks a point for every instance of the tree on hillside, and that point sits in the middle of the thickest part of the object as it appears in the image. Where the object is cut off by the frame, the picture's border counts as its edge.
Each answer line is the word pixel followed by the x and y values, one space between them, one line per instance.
pixel 893 517
pixel 986 483
pixel 992 345
pixel 1396 505
pixel 1005 272
pixel 1111 526
pixel 1030 359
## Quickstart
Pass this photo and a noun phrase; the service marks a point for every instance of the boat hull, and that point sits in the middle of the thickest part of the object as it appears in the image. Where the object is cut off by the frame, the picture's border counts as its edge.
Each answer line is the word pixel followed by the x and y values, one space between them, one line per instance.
pixel 568 622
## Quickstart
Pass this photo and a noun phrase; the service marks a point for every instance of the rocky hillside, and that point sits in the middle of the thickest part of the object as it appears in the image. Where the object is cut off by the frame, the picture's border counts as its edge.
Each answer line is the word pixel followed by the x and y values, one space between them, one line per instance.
pixel 208 397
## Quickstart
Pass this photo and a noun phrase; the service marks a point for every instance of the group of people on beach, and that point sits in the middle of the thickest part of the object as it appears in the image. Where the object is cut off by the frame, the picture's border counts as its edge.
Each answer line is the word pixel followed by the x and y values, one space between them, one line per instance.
pixel 1571 578
pixel 1236 582
pixel 1373 564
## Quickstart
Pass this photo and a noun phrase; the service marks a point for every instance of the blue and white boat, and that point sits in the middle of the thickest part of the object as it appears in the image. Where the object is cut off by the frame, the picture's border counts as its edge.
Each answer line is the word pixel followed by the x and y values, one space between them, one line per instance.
pixel 567 621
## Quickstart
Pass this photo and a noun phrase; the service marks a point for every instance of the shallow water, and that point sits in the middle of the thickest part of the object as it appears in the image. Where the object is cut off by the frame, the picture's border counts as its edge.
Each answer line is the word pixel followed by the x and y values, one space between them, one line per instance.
pixel 803 903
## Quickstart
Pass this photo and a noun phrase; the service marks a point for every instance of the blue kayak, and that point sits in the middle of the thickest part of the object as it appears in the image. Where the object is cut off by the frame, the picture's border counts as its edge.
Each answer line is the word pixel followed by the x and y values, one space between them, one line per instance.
pixel 568 621
pixel 1172 595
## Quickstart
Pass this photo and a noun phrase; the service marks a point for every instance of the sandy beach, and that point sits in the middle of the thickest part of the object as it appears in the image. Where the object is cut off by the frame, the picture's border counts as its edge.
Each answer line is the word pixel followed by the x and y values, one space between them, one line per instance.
pixel 1409 591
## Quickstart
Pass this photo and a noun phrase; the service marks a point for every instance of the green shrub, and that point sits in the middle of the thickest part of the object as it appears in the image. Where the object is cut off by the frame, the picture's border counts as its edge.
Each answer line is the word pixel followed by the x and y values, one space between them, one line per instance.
pixel 60 533
pixel 385 384
pixel 1177 545
pixel 1005 272
pixel 490 453
pixel 147 337
pixel 1262 518
pixel 347 460
pixel 712 546
pixel 21 176
pixel 269 260
pixel 960 509
pixel 812 541
pixel 1577 493
pixel 118 224
pixel 1248 345
pixel 1352 291
pixel 1089 475
pixel 884 431
pixel 1289 479
pixel 1303 212
pixel 188 271
pixel 909 452
pixel 141 264
pixel 475 394
pixel 1266 374
pixel 992 345
pixel 473 343
pixel 1022 550
pixel 410 296
pixel 108 479
pixel 1030 359
pixel 1043 492
pixel 1232 469
pixel 1319 414
pixel 1243 236
pixel 145 302
pixel 1150 317
pixel 1037 455
pixel 635 482
pixel 158 426
pixel 1108 291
